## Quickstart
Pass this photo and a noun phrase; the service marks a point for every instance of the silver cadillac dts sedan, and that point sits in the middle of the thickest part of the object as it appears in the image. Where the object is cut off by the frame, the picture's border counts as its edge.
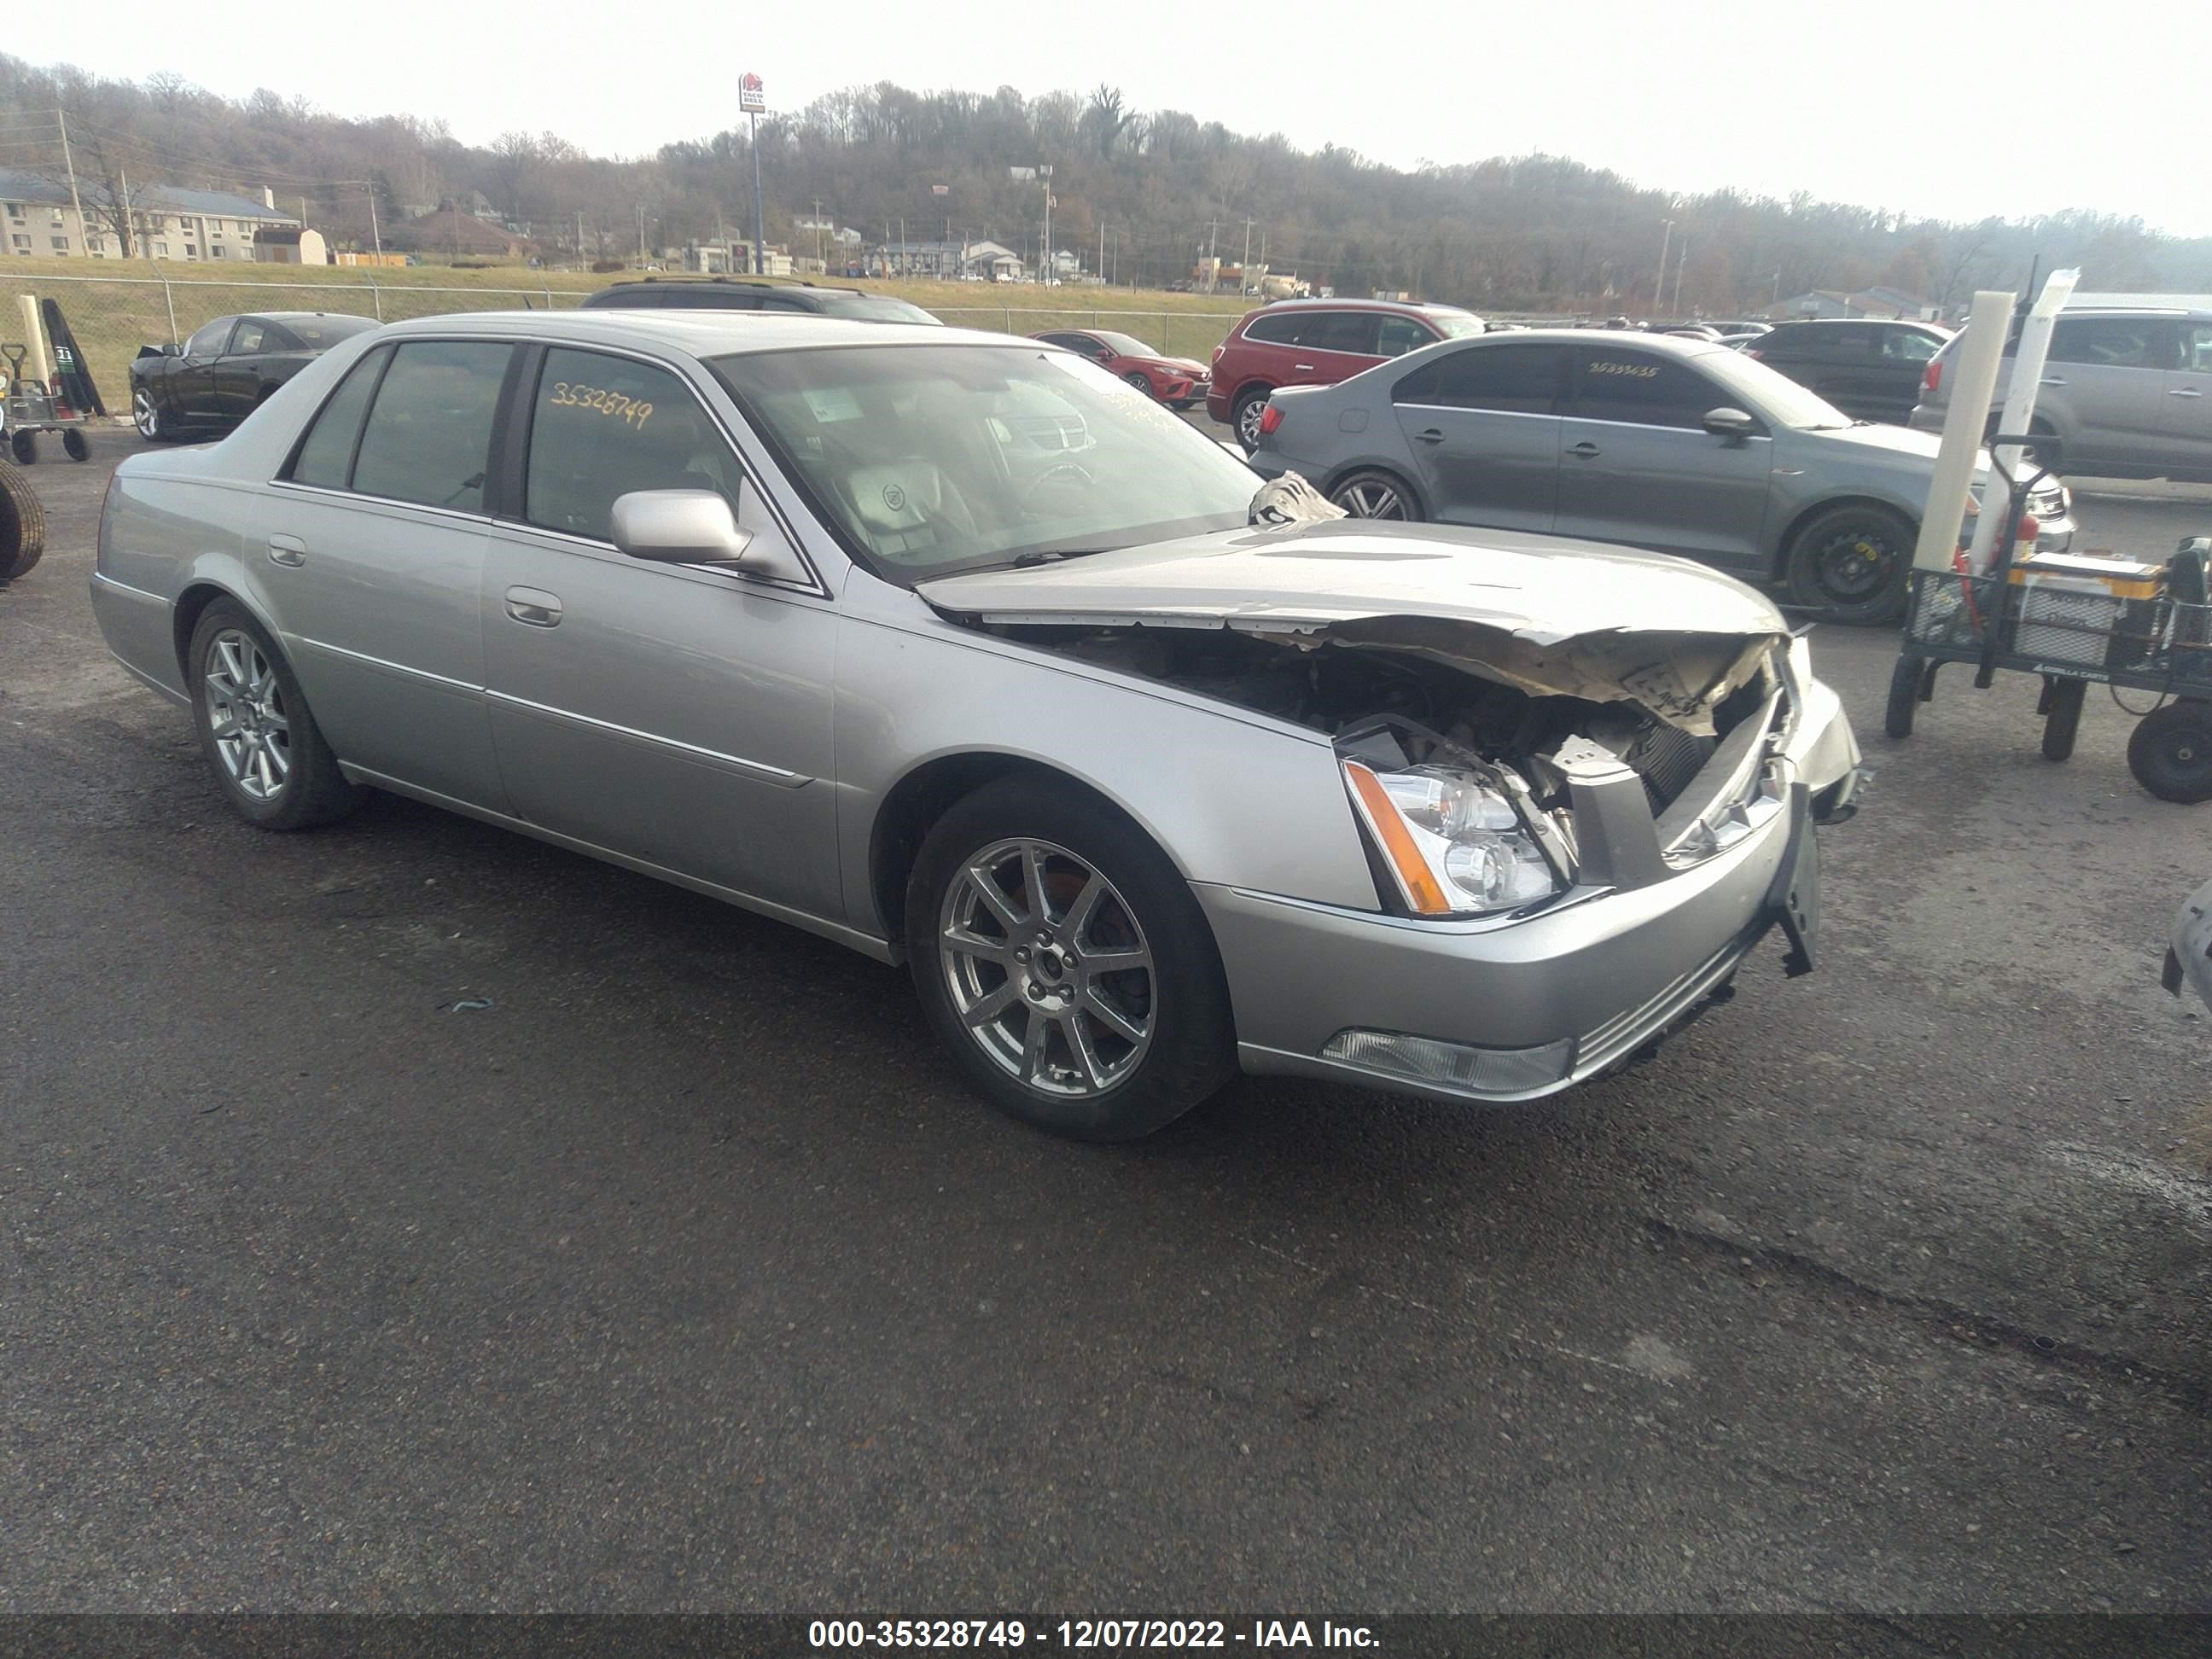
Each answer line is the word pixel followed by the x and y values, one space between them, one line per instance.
pixel 954 648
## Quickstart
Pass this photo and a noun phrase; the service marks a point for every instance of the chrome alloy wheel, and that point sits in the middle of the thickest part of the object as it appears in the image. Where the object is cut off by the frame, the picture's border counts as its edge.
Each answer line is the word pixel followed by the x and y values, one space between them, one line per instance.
pixel 245 715
pixel 145 414
pixel 1371 498
pixel 1048 968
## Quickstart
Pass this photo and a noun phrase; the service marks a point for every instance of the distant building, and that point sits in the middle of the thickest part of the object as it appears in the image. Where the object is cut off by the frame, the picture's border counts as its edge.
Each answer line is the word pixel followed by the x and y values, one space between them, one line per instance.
pixel 455 235
pixel 947 261
pixel 38 221
pixel 1884 304
pixel 290 244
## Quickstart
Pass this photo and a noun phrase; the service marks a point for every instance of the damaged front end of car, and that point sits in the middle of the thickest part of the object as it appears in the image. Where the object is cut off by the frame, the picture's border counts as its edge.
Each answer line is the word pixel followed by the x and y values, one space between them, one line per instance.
pixel 1576 832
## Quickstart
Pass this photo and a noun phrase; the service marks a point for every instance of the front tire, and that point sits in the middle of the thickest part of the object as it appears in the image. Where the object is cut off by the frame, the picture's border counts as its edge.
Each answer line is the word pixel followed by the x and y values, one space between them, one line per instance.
pixel 1138 381
pixel 1848 564
pixel 24 445
pixel 146 415
pixel 255 728
pixel 74 445
pixel 1061 957
pixel 1371 493
pixel 2063 719
pixel 1904 681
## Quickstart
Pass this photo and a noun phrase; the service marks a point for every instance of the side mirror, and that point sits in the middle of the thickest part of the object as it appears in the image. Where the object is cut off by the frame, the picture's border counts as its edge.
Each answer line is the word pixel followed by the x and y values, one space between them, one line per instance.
pixel 1732 423
pixel 694 526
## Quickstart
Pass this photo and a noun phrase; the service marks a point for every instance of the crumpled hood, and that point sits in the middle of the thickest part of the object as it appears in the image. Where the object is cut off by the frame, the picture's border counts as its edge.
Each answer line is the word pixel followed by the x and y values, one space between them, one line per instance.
pixel 1550 616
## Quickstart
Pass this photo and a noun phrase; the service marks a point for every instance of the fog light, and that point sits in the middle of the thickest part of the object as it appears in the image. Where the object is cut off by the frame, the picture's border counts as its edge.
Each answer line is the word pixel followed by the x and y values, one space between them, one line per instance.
pixel 1454 1066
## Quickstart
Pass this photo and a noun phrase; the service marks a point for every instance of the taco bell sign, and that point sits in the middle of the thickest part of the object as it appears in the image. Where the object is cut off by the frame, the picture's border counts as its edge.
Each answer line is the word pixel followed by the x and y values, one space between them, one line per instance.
pixel 752 96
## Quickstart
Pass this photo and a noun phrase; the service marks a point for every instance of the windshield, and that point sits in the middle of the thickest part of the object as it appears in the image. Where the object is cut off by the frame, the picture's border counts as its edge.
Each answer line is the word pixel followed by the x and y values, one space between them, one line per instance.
pixel 874 309
pixel 1771 393
pixel 1456 325
pixel 928 459
pixel 1125 345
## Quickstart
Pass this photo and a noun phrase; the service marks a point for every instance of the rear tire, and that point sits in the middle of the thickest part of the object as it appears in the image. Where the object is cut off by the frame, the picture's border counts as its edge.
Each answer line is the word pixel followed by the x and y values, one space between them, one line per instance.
pixel 1244 416
pixel 1848 564
pixel 24 445
pixel 1012 978
pixel 2171 752
pixel 1371 493
pixel 22 524
pixel 2064 719
pixel 74 445
pixel 255 728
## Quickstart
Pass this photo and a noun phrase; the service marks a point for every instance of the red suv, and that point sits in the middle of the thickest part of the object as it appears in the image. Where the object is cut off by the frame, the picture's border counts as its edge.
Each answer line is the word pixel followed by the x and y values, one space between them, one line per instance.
pixel 1317 343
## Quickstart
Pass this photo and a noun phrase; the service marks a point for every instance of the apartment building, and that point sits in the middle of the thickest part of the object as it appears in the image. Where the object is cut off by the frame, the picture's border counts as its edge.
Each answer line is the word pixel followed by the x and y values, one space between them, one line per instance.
pixel 38 221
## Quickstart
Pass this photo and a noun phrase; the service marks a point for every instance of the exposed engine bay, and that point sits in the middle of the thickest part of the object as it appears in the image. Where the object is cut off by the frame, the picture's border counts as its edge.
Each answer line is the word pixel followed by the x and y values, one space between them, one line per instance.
pixel 1417 708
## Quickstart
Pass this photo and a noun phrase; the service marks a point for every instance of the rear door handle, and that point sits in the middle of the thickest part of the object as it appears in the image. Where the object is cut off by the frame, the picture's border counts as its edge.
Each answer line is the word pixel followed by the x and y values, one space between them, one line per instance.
pixel 2181 391
pixel 1586 449
pixel 2050 379
pixel 1431 436
pixel 1308 367
pixel 287 549
pixel 534 606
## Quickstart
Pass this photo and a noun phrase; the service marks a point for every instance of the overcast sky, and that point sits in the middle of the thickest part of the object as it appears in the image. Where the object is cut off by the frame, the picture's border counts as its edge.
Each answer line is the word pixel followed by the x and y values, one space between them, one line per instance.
pixel 1870 102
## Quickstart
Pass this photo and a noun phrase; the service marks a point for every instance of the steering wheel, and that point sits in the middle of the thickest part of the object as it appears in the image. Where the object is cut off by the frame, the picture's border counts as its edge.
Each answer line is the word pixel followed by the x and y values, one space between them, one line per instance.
pixel 1059 472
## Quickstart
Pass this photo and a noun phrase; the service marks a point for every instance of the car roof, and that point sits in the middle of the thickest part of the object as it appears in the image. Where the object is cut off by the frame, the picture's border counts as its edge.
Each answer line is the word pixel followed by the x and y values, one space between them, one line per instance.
pixel 753 284
pixel 1363 305
pixel 703 333
pixel 1676 345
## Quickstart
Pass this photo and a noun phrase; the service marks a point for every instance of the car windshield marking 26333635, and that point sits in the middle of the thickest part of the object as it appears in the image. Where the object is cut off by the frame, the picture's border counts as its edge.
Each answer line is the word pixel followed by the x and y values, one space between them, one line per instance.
pixel 961 456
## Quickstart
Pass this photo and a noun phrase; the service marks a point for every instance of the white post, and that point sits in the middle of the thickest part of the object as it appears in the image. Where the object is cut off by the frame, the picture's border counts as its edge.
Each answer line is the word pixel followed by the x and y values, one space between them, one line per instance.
pixel 2019 410
pixel 35 336
pixel 1976 368
pixel 76 201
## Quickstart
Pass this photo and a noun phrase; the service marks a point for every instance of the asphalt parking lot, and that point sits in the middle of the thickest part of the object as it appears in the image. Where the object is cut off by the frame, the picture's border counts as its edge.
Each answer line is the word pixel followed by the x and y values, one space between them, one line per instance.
pixel 684 1274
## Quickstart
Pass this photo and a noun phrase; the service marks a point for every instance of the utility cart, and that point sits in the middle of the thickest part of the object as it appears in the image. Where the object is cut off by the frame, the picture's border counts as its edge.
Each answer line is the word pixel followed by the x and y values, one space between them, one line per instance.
pixel 2075 621
pixel 30 406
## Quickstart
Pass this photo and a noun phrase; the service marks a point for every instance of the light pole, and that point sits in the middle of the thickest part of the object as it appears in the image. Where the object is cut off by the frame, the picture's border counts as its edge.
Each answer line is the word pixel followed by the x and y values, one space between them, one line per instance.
pixel 1659 288
pixel 1045 174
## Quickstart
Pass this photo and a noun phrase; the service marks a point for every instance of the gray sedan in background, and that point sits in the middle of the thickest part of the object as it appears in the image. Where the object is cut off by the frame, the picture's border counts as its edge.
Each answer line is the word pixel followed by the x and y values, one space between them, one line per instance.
pixel 959 651
pixel 1679 446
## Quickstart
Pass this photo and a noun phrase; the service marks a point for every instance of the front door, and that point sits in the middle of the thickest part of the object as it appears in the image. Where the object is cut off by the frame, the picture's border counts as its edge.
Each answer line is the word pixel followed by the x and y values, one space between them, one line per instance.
pixel 674 714
pixel 238 371
pixel 1481 423
pixel 192 400
pixel 1636 465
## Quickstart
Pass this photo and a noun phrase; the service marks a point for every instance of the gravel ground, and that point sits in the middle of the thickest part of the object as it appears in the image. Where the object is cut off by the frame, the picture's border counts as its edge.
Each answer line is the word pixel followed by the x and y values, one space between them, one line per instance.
pixel 686 1275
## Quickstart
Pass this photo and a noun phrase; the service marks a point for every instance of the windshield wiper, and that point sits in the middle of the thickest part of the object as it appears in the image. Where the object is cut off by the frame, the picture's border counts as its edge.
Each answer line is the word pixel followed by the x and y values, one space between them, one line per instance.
pixel 1049 555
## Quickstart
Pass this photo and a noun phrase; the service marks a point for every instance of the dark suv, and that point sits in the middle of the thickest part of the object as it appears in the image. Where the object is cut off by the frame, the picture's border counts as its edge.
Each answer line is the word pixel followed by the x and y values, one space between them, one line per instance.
pixel 1871 371
pixel 1318 342
pixel 714 293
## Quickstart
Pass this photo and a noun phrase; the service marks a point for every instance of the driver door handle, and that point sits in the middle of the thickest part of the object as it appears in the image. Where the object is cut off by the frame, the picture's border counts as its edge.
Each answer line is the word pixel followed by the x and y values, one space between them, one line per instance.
pixel 1431 436
pixel 2183 391
pixel 1585 450
pixel 2050 379
pixel 534 606
pixel 287 549
pixel 1308 367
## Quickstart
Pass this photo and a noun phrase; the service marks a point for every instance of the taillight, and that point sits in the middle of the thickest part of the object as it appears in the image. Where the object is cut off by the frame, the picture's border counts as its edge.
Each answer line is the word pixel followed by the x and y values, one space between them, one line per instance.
pixel 1217 351
pixel 1931 378
pixel 1271 417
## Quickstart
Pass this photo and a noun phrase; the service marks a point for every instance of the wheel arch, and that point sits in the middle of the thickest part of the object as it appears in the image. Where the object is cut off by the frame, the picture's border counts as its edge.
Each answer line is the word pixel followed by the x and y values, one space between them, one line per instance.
pixel 191 604
pixel 913 806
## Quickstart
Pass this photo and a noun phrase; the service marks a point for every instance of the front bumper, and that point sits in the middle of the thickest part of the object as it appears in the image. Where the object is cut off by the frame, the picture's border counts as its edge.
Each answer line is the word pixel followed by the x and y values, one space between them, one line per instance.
pixel 1554 999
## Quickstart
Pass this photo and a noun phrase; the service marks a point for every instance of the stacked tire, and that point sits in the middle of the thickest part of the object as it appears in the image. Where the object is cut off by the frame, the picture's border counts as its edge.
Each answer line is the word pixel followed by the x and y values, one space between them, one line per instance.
pixel 22 524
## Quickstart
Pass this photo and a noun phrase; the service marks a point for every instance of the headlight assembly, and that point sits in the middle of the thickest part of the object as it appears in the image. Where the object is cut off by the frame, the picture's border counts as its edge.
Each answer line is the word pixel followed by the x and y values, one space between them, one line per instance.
pixel 1455 845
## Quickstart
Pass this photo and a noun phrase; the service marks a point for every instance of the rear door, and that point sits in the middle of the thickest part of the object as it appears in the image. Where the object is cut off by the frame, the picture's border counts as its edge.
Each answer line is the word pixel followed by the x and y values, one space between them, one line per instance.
pixel 1902 354
pixel 2102 390
pixel 371 547
pixel 1637 466
pixel 1482 425
pixel 2187 402
pixel 1329 346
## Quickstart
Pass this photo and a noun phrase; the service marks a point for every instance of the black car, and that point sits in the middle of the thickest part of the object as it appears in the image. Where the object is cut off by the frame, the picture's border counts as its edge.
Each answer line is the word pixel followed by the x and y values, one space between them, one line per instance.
pixel 715 295
pixel 220 376
pixel 1870 370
